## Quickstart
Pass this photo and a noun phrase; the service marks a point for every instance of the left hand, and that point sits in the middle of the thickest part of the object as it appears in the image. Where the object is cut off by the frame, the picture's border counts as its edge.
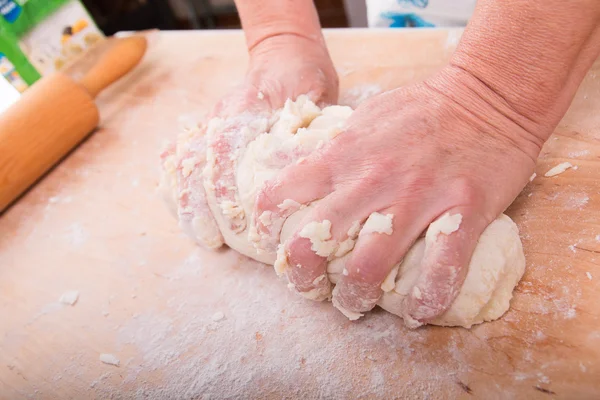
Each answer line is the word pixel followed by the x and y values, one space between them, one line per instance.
pixel 281 67
pixel 448 145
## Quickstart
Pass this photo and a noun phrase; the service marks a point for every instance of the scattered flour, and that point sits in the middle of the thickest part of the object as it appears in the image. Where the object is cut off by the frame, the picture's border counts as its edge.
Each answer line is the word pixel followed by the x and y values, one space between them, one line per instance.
pixel 356 95
pixel 76 234
pixel 109 359
pixel 577 201
pixel 69 298
pixel 579 153
pixel 218 316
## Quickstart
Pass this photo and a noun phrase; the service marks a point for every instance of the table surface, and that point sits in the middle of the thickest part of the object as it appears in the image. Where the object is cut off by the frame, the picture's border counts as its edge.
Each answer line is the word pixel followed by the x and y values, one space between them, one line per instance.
pixel 149 296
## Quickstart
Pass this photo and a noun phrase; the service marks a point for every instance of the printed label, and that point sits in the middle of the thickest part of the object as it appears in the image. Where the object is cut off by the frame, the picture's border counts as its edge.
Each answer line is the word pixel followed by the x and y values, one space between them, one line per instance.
pixel 10 10
pixel 8 71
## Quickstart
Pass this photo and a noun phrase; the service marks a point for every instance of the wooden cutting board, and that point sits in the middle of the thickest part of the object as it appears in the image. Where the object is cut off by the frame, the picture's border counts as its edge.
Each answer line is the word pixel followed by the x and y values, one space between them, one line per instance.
pixel 154 300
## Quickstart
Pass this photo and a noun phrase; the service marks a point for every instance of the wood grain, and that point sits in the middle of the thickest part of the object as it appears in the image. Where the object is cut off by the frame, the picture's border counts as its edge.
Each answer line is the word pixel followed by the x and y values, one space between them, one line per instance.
pixel 147 295
pixel 55 115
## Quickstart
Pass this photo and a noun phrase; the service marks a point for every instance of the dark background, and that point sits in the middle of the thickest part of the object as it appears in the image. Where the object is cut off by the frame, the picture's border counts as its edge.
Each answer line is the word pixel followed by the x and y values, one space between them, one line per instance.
pixel 122 15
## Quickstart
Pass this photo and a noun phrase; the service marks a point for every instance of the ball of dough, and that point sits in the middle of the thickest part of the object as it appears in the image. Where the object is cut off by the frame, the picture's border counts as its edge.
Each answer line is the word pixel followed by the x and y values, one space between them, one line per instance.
pixel 301 127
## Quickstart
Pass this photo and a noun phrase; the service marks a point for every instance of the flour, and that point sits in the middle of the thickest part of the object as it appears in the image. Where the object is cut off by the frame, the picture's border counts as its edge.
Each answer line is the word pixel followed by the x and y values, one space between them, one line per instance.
pixel 271 338
pixel 76 234
pixel 577 201
pixel 109 359
pixel 218 316
pixel 579 153
pixel 69 298
pixel 358 94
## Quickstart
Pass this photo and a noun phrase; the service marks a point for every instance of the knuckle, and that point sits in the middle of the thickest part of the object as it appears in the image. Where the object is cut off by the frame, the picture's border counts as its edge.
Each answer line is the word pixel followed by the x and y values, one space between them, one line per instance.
pixel 466 193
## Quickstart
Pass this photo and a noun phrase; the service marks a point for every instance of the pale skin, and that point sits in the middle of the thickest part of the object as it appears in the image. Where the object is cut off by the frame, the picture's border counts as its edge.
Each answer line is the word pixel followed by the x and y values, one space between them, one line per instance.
pixel 463 141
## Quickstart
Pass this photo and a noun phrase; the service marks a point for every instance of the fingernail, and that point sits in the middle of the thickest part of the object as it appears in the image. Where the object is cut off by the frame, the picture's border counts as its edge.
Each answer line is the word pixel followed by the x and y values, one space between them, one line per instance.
pixel 353 298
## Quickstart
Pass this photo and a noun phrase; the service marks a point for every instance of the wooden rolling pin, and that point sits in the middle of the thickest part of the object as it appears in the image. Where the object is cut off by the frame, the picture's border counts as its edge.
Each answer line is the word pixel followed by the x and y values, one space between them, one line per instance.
pixel 55 115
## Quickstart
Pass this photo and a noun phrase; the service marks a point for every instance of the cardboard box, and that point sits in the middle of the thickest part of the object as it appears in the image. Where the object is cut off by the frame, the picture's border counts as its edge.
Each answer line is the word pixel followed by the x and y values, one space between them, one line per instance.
pixel 44 35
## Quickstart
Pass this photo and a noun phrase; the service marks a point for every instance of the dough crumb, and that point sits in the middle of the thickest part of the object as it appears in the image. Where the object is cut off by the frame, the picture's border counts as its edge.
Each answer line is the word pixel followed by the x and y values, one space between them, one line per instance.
pixel 345 272
pixel 232 210
pixel 289 204
pixel 589 275
pixel 446 224
pixel 348 245
pixel 351 315
pixel 109 359
pixel 559 169
pixel 378 223
pixel 187 166
pixel 260 95
pixel 316 294
pixel 354 230
pixel 281 263
pixel 218 316
pixel 532 177
pixel 319 234
pixel 410 322
pixel 389 283
pixel 417 293
pixel 69 298
pixel 266 218
pixel 345 247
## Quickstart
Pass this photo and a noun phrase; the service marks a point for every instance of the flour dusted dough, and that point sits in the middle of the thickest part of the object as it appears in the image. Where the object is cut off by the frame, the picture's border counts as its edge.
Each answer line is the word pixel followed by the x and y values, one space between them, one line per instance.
pixel 301 127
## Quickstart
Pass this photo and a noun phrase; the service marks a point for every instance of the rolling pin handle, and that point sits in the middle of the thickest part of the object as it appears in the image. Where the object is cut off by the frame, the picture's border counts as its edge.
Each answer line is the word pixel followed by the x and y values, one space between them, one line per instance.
pixel 118 61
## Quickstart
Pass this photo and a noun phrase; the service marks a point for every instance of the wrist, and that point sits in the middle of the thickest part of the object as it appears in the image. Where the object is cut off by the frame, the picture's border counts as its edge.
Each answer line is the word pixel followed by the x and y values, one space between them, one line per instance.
pixel 521 89
pixel 288 45
pixel 487 111
pixel 273 18
pixel 528 58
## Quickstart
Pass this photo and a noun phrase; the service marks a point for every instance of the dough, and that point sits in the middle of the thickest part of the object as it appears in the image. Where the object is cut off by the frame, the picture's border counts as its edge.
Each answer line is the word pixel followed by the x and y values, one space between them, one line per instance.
pixel 289 135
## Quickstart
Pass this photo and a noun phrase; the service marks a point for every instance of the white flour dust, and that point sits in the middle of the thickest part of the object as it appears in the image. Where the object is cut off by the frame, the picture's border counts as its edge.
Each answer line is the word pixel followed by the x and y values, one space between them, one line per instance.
pixel 357 94
pixel 273 343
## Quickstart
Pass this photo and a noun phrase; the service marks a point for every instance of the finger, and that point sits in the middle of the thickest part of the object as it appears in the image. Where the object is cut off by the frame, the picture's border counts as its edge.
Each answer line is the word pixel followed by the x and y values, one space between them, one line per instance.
pixel 328 230
pixel 449 244
pixel 195 216
pixel 296 186
pixel 226 139
pixel 379 249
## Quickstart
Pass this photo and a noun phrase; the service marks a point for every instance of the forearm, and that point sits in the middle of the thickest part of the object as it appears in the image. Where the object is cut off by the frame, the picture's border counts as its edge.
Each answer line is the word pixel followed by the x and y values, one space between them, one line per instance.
pixel 267 18
pixel 533 54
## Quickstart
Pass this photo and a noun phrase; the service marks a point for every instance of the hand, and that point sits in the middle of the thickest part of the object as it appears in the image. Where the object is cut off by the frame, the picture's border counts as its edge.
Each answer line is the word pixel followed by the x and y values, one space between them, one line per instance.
pixel 447 145
pixel 281 67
